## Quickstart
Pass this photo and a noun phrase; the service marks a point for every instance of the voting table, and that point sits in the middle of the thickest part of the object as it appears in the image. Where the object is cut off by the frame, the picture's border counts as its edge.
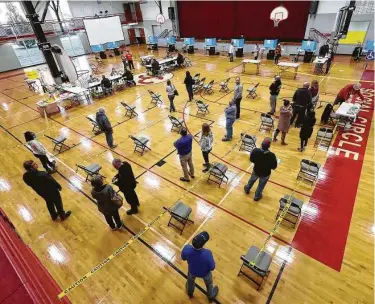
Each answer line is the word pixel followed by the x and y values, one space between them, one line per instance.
pixel 251 61
pixel 283 66
pixel 162 62
pixel 98 83
pixel 346 114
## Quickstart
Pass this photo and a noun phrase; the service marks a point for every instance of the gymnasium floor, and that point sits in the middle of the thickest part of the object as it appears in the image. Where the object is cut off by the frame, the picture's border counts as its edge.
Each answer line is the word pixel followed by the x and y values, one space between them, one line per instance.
pixel 327 258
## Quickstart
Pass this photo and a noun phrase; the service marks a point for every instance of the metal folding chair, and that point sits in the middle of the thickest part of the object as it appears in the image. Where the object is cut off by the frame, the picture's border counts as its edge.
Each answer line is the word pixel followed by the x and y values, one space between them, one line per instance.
pixel 155 98
pixel 266 122
pixel 59 143
pixel 309 171
pixel 248 142
pixel 224 86
pixel 180 214
pixel 95 127
pixel 140 144
pixel 177 124
pixel 217 173
pixel 90 170
pixel 252 92
pixel 202 108
pixel 130 110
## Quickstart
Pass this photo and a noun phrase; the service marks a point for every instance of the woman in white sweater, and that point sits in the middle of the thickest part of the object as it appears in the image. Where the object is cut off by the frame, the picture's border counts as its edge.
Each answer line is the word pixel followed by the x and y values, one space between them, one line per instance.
pixel 205 143
pixel 171 91
pixel 39 152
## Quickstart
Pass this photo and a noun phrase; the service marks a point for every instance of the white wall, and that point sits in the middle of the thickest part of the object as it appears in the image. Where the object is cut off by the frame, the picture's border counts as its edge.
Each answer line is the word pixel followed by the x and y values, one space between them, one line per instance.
pixel 90 8
pixel 9 60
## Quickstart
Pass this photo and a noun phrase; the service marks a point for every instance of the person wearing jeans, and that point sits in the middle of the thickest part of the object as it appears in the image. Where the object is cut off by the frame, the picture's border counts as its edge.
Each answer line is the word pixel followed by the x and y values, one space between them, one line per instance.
pixel 184 147
pixel 39 152
pixel 171 94
pixel 205 143
pixel 230 117
pixel 264 161
pixel 237 96
pixel 201 264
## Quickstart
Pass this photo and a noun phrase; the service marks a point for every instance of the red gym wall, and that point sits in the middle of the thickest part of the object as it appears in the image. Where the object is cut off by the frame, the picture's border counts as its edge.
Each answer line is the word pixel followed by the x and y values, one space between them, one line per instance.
pixel 229 19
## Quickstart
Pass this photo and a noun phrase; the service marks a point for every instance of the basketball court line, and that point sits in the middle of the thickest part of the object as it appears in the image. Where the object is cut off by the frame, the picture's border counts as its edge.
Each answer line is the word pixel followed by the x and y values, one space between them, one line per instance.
pixel 23 123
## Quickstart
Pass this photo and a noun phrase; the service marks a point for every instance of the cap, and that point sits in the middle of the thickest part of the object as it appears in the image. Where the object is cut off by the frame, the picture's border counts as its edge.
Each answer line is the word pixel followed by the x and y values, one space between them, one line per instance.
pixel 200 240
pixel 266 143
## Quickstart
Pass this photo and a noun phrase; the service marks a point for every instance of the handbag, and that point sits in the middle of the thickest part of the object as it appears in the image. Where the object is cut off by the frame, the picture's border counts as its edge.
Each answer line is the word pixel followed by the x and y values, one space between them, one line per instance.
pixel 117 199
pixel 175 93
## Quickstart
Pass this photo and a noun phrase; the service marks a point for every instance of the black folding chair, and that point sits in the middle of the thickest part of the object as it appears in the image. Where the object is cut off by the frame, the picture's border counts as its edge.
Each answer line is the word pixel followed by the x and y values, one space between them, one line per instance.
pixel 59 143
pixel 130 110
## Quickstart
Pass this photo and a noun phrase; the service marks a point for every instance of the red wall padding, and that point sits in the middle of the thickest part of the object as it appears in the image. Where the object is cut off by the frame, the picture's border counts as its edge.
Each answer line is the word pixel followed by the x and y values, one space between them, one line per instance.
pixel 229 19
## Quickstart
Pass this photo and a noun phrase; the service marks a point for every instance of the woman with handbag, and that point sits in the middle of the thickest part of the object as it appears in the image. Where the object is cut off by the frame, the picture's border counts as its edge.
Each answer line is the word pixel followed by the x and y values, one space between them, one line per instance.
pixel 108 201
pixel 172 92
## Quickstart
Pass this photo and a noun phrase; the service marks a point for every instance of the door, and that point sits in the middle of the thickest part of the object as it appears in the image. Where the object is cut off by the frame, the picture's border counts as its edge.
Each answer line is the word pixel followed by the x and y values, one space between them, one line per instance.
pixel 132 37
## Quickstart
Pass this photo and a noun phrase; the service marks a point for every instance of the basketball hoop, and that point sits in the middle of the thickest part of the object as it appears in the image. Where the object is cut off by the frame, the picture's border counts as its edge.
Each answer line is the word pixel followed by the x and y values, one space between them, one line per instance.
pixel 278 14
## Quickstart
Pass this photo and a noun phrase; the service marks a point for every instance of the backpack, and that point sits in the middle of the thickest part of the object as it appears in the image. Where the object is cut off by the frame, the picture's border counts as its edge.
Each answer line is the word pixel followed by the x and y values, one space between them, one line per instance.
pixel 326 113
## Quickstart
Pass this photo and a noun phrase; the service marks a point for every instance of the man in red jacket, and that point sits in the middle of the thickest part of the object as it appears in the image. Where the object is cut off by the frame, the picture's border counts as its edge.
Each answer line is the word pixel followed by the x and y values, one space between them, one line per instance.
pixel 129 58
pixel 345 92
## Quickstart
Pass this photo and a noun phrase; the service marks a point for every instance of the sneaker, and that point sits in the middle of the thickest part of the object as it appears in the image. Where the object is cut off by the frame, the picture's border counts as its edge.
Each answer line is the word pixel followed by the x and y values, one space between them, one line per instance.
pixel 54 218
pixel 275 140
pixel 192 176
pixel 67 214
pixel 205 165
pixel 183 179
pixel 114 146
pixel 206 169
pixel 225 139
pixel 215 291
pixel 130 212
pixel 258 198
pixel 270 113
pixel 113 229
pixel 122 225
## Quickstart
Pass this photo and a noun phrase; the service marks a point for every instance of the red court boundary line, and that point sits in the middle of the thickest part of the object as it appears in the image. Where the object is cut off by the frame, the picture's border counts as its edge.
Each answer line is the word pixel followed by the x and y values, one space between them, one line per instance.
pixel 11 76
pixel 164 178
pixel 323 234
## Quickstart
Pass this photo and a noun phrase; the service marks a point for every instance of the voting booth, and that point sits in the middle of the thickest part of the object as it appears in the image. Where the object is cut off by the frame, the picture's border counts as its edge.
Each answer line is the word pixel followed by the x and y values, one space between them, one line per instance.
pixel 239 44
pixel 270 45
pixel 309 47
pixel 210 44
pixel 171 42
pixel 189 43
pixel 152 42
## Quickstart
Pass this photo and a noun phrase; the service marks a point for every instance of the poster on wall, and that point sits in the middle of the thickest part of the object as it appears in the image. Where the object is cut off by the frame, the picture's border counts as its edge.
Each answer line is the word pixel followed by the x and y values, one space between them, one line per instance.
pixel 356 33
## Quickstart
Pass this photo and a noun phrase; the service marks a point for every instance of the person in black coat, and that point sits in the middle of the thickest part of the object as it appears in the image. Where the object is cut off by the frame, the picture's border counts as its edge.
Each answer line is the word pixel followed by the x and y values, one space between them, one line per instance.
pixel 189 81
pixel 126 182
pixel 307 129
pixel 264 162
pixel 46 187
pixel 180 59
pixel 302 99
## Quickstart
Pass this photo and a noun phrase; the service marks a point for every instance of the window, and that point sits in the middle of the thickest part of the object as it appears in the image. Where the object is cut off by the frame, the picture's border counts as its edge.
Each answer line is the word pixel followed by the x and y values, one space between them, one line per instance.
pixel 27 52
pixel 73 45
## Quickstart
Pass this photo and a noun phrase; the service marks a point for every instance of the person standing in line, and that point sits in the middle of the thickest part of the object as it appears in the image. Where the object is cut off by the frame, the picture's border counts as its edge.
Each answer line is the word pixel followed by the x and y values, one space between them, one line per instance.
pixel 284 122
pixel 103 195
pixel 314 89
pixel 347 91
pixel 123 59
pixel 189 81
pixel 237 97
pixel 127 183
pixel 201 264
pixel 231 51
pixel 205 143
pixel 46 187
pixel 275 88
pixel 277 53
pixel 129 58
pixel 256 51
pixel 330 56
pixel 264 161
pixel 230 118
pixel 307 129
pixel 105 126
pixel 171 91
pixel 39 152
pixel 302 101
pixel 184 146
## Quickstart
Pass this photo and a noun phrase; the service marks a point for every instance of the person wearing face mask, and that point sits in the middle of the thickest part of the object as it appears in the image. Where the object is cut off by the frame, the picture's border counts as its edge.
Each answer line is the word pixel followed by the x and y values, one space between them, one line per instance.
pixel 274 92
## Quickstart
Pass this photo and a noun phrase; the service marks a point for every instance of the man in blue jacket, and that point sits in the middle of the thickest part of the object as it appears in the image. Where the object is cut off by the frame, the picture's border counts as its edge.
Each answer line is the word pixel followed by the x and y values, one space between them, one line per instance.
pixel 184 147
pixel 105 126
pixel 201 264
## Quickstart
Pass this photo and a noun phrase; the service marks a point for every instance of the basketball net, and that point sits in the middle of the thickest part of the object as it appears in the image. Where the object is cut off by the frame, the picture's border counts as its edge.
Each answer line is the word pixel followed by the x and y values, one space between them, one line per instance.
pixel 276 22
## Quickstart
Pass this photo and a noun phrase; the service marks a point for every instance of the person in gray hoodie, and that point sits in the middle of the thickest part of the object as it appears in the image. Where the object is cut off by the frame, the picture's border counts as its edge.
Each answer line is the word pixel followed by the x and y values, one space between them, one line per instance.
pixel 105 126
pixel 230 116
pixel 103 193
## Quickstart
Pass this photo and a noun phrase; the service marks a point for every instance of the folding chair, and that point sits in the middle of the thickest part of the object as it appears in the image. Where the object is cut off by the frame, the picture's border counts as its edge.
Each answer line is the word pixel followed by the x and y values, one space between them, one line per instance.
pixel 248 142
pixel 196 77
pixel 59 143
pixel 94 68
pixel 252 92
pixel 202 108
pixel 180 214
pixel 140 144
pixel 197 87
pixel 260 268
pixel 97 92
pixel 95 127
pixel 217 173
pixel 294 211
pixel 120 84
pixel 177 124
pixel 266 122
pixel 309 171
pixel 130 110
pixel 90 170
pixel 323 138
pixel 187 63
pixel 224 86
pixel 207 89
pixel 155 98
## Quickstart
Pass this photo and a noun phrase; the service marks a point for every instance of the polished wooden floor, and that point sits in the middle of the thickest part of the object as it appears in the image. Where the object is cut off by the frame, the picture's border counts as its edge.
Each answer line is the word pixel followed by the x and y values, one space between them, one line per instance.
pixel 150 270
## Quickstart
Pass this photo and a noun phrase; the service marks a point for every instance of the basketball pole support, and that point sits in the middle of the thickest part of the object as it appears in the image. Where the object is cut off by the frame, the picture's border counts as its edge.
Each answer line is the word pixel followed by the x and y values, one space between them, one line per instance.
pixel 36 25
